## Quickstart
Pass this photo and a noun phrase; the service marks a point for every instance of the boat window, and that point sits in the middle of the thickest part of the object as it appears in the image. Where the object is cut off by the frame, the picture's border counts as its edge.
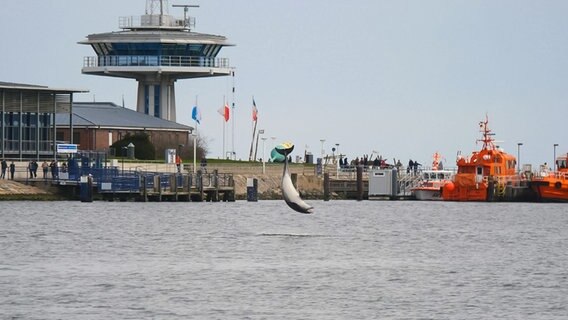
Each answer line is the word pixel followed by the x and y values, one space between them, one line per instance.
pixel 562 164
pixel 479 170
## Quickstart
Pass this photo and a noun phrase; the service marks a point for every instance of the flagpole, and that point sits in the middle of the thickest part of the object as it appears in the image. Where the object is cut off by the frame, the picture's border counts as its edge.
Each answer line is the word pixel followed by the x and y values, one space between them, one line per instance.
pixel 233 154
pixel 223 155
pixel 195 144
pixel 256 147
pixel 253 134
pixel 252 142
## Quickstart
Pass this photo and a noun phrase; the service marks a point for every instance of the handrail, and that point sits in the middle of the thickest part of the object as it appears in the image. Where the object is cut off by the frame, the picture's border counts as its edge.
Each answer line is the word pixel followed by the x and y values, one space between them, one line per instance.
pixel 154 61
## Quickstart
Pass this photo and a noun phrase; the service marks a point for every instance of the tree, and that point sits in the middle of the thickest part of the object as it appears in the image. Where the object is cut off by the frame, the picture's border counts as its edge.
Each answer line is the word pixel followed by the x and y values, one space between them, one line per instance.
pixel 143 147
pixel 202 148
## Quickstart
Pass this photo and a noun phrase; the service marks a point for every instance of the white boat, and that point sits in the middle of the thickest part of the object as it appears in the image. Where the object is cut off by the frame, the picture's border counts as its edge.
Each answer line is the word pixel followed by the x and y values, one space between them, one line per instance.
pixel 431 183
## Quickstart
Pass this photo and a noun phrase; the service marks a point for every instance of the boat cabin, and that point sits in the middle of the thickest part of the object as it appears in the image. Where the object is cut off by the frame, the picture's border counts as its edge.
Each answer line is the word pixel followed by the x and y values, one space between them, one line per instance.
pixel 436 175
pixel 562 163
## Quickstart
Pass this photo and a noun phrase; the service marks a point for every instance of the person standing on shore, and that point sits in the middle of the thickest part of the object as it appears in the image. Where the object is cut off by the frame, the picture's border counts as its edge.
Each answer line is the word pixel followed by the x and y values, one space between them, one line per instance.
pixel 4 167
pixel 34 168
pixel 12 170
pixel 178 163
pixel 31 169
pixel 45 168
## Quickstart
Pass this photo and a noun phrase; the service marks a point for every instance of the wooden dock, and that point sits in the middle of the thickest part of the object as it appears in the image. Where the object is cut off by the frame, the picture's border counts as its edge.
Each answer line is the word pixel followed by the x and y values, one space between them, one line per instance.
pixel 154 186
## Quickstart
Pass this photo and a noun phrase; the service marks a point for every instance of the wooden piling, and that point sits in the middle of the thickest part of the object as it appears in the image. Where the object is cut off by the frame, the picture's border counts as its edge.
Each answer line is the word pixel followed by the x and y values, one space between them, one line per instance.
pixel 326 186
pixel 359 183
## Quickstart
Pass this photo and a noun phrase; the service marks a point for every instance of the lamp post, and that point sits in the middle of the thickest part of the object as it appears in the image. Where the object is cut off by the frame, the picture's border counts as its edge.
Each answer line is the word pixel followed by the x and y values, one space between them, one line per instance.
pixel 263 156
pixel 322 150
pixel 519 156
pixel 555 145
pixel 194 152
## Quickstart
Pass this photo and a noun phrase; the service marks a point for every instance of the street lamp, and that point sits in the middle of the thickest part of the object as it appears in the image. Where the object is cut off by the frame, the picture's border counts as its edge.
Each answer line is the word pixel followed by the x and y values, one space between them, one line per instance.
pixel 519 156
pixel 194 152
pixel 263 156
pixel 555 145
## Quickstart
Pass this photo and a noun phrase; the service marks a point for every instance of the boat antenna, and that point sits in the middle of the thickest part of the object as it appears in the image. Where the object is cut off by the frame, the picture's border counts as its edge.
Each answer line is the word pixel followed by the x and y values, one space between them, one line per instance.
pixel 487 135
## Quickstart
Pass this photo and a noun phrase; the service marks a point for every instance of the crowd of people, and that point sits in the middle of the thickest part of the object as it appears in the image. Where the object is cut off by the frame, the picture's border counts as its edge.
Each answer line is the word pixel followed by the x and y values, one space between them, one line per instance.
pixel 32 168
pixel 379 163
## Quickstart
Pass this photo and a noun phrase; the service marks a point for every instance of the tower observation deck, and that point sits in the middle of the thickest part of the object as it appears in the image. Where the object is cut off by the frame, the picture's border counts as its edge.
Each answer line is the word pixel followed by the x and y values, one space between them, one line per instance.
pixel 156 49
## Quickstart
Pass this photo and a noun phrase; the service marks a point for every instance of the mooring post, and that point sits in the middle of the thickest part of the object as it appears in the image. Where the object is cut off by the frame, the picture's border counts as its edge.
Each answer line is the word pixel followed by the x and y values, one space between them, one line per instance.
pixel 326 186
pixel 159 178
pixel 216 185
pixel 199 184
pixel 144 190
pixel 359 183
pixel 252 189
pixel 86 189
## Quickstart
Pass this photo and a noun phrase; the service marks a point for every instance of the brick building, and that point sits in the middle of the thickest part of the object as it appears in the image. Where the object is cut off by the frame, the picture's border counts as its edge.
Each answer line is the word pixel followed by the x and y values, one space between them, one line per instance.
pixel 97 125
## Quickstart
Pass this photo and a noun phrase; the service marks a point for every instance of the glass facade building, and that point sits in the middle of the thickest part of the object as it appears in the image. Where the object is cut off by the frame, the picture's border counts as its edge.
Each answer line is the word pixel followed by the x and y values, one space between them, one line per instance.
pixel 27 119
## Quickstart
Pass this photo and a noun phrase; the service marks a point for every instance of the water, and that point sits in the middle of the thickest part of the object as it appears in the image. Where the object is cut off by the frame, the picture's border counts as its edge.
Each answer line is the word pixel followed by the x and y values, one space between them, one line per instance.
pixel 349 260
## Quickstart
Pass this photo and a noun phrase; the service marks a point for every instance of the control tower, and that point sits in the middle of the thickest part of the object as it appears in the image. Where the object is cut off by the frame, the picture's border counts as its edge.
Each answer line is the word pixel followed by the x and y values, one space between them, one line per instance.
pixel 157 49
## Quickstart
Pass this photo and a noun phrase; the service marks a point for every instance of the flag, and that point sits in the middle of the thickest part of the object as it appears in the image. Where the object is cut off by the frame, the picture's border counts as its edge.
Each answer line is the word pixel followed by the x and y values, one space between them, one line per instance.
pixel 196 114
pixel 254 111
pixel 224 112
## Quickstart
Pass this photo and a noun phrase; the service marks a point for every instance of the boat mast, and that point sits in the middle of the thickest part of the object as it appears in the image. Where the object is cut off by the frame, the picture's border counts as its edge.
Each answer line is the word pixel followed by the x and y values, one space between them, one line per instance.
pixel 487 135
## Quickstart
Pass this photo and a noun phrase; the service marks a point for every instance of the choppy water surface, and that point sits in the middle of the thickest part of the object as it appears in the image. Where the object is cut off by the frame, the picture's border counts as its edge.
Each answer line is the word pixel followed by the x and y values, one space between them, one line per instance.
pixel 349 260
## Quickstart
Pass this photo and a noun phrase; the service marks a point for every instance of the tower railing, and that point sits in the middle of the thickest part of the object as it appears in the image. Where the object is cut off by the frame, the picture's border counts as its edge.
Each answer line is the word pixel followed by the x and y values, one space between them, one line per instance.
pixel 155 21
pixel 153 61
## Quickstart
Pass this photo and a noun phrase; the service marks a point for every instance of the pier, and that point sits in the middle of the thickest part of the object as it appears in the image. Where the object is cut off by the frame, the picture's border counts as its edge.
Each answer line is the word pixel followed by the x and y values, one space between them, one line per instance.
pixel 114 185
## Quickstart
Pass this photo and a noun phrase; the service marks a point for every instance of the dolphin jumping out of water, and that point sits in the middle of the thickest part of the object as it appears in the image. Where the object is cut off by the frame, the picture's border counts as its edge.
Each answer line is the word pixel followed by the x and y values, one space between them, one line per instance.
pixel 291 195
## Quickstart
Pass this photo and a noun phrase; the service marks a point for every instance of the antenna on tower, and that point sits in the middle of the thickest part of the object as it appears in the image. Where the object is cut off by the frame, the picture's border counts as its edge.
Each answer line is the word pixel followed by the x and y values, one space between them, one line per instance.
pixel 157 7
pixel 185 11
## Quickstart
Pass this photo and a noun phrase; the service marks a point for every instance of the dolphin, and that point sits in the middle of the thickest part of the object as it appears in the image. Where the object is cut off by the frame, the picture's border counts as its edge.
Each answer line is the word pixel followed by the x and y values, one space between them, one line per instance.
pixel 291 195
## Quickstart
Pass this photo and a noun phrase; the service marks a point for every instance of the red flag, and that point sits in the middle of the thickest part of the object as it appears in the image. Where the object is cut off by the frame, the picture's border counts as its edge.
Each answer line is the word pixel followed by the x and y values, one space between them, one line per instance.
pixel 254 111
pixel 224 111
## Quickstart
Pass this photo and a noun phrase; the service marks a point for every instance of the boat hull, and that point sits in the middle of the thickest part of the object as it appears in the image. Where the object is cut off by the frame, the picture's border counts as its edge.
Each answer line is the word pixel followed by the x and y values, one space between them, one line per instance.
pixel 553 190
pixel 465 188
pixel 428 194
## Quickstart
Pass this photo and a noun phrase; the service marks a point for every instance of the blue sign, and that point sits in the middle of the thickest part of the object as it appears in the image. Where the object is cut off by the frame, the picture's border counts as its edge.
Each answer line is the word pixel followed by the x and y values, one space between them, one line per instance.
pixel 66 148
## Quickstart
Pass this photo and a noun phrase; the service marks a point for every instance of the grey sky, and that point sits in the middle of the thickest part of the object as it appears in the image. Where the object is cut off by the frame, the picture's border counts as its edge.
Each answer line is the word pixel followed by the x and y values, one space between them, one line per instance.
pixel 405 78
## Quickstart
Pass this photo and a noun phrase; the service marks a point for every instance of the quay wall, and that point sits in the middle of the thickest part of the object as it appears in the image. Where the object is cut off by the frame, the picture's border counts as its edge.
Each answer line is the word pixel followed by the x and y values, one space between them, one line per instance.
pixel 308 183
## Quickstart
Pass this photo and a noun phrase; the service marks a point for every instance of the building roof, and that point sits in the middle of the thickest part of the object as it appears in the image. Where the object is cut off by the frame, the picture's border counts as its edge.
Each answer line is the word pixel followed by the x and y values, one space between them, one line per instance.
pixel 108 115
pixel 153 36
pixel 33 87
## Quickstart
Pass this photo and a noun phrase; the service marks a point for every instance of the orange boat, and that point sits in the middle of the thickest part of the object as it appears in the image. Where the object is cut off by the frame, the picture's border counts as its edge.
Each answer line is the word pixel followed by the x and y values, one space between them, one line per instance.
pixel 552 186
pixel 485 175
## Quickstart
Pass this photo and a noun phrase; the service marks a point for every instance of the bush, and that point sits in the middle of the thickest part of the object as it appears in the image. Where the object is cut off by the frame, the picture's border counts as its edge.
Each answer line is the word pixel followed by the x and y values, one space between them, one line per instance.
pixel 143 148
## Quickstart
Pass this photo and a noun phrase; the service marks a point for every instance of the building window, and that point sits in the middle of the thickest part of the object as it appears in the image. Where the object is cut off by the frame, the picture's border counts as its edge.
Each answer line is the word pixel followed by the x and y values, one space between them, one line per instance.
pixel 76 137
pixel 157 101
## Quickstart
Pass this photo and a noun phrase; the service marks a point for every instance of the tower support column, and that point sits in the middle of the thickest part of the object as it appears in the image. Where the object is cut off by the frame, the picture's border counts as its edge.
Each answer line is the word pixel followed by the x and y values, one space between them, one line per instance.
pixel 156 97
